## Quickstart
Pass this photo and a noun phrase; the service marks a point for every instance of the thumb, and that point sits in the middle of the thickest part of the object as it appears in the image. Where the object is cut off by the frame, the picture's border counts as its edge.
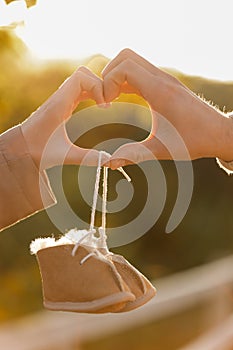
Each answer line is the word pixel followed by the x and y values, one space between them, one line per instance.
pixel 82 156
pixel 131 153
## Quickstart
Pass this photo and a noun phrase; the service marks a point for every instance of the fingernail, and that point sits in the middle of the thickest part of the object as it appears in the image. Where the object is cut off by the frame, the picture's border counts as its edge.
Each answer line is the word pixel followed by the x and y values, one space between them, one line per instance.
pixel 105 105
pixel 115 164
pixel 102 105
pixel 108 104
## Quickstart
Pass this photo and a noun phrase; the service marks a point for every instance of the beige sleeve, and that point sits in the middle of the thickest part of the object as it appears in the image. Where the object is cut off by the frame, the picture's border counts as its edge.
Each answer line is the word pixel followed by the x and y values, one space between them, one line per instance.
pixel 24 189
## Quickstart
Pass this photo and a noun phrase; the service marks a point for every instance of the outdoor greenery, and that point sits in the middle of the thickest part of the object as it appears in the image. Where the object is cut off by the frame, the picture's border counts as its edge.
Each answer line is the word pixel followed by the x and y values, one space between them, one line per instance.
pixel 204 234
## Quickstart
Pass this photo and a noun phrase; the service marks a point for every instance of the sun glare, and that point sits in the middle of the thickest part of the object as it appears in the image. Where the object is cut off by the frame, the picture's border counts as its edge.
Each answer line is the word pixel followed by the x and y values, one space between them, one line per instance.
pixel 191 36
pixel 12 13
pixel 49 29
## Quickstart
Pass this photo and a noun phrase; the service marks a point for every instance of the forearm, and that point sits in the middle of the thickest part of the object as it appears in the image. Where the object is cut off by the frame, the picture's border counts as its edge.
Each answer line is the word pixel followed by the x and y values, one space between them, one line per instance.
pixel 206 131
pixel 225 160
pixel 216 134
pixel 24 190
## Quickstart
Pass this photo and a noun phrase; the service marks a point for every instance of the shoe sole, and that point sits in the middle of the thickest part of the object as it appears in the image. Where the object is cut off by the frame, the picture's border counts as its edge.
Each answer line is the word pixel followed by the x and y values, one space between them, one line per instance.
pixel 131 305
pixel 95 306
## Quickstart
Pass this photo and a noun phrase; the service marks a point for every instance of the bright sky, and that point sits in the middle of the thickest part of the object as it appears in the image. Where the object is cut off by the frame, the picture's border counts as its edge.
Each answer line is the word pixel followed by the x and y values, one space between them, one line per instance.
pixel 192 36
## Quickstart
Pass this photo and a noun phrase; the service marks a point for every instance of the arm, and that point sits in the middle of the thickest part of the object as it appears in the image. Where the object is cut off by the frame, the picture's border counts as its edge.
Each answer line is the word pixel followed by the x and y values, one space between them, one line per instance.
pixel 39 143
pixel 204 131
pixel 228 165
pixel 23 188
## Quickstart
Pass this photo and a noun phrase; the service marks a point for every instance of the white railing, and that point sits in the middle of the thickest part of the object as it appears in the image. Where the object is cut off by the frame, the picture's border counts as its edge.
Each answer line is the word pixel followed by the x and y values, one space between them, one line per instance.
pixel 53 330
pixel 218 338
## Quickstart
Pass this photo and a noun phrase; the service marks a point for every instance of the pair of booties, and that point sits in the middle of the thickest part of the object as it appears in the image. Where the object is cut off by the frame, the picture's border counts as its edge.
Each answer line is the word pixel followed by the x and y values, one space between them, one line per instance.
pixel 79 274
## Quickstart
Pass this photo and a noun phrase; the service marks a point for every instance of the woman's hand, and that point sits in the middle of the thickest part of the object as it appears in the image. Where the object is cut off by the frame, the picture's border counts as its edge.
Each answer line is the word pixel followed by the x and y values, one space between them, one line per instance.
pixel 183 125
pixel 45 132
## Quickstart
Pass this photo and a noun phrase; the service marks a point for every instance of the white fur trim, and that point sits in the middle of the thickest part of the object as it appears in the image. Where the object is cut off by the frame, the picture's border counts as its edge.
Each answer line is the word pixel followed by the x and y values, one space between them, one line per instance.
pixel 41 243
pixel 73 236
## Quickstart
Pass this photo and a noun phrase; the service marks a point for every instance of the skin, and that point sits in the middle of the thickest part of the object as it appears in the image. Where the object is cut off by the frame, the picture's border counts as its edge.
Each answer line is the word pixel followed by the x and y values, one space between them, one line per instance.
pixel 202 130
pixel 205 131
pixel 44 130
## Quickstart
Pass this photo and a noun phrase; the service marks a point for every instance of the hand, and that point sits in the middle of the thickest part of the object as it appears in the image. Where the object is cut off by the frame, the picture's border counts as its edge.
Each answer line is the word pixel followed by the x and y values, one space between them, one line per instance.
pixel 183 125
pixel 45 132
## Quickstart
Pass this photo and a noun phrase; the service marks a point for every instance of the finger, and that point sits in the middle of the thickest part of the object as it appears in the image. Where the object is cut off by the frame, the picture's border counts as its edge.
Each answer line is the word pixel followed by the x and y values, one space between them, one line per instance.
pixel 81 156
pixel 127 72
pixel 130 54
pixel 62 103
pixel 91 85
pixel 131 153
pixel 95 90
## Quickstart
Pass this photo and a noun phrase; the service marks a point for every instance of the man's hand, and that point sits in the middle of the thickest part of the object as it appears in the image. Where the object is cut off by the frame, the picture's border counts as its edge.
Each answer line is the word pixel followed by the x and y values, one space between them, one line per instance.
pixel 183 125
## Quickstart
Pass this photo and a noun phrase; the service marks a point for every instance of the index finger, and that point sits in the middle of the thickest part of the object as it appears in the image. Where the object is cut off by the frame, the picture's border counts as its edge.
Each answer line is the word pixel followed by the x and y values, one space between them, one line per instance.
pixel 63 102
pixel 130 54
pixel 128 74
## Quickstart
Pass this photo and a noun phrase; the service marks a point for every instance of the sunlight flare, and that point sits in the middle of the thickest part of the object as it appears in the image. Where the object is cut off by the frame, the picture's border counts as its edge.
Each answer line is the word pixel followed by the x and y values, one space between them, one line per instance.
pixel 190 37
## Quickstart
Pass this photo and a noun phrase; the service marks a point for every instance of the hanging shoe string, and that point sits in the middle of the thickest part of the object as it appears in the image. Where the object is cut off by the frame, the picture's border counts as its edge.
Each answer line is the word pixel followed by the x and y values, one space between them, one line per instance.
pixel 102 240
pixel 96 191
pixel 102 230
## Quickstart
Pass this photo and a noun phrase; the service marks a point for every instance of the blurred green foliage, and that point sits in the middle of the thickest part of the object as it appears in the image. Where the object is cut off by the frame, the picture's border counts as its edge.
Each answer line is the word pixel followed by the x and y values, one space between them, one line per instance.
pixel 205 233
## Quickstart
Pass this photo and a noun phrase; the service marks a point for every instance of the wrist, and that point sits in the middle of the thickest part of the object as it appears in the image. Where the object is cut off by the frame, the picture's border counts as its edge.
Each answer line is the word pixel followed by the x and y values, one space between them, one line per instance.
pixel 201 125
pixel 225 160
pixel 226 150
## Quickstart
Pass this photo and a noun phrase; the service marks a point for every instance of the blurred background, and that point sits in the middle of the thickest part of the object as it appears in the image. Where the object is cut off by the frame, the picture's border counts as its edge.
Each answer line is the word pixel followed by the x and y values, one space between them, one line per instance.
pixel 192 267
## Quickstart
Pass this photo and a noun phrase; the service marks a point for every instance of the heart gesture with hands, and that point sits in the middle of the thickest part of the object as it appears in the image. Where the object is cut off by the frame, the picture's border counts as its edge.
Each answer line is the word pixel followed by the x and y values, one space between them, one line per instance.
pixel 183 126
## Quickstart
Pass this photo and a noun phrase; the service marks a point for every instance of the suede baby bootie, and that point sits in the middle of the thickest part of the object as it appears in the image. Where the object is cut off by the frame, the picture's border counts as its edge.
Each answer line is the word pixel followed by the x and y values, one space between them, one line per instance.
pixel 138 284
pixel 80 284
pixel 80 274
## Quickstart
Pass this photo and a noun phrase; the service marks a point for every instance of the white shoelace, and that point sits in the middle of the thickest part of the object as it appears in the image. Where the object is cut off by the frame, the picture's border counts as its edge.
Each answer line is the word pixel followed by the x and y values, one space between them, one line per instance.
pixel 102 239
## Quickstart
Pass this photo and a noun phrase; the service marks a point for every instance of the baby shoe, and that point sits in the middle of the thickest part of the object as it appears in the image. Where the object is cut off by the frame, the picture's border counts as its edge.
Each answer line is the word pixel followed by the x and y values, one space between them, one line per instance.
pixel 138 284
pixel 81 282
